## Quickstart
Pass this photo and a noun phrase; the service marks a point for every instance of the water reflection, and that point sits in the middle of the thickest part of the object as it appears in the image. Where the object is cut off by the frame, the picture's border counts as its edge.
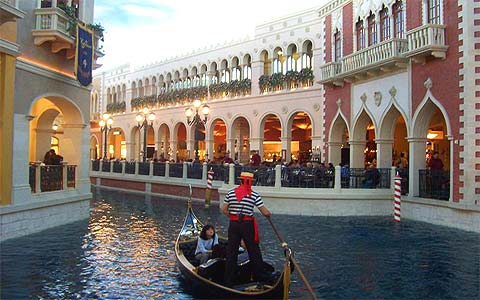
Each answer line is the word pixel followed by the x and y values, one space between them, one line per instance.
pixel 126 251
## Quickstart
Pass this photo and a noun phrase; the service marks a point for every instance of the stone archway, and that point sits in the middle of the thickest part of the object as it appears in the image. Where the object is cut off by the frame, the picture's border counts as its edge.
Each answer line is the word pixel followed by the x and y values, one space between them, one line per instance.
pixel 431 132
pixel 164 150
pixel 94 147
pixel 299 137
pixel 240 140
pixel 116 143
pixel 362 144
pixel 218 136
pixel 270 138
pixel 338 147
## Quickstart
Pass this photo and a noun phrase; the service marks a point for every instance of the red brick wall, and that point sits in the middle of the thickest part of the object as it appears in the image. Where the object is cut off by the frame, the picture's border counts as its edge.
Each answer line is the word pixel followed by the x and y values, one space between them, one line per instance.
pixel 347 29
pixel 128 185
pixel 445 87
pixel 328 39
pixel 414 13
pixel 182 191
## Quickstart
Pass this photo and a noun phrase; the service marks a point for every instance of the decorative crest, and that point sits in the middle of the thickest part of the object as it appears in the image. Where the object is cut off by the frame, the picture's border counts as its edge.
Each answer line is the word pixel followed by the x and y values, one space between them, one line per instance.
pixel 428 83
pixel 378 98
pixel 393 91
pixel 363 97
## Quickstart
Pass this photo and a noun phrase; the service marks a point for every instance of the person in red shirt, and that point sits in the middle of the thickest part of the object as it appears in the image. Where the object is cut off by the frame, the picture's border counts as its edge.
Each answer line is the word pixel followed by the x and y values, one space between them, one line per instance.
pixel 256 160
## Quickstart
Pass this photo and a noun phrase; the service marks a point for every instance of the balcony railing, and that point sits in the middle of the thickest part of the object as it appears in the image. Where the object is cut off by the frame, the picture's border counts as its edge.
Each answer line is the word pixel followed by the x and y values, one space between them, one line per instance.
pixel 371 57
pixel 47 178
pixel 331 70
pixel 427 40
pixel 52 25
pixel 380 57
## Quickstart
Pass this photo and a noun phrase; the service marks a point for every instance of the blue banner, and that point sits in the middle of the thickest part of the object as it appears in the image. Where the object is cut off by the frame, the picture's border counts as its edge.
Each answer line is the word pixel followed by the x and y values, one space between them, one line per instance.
pixel 84 55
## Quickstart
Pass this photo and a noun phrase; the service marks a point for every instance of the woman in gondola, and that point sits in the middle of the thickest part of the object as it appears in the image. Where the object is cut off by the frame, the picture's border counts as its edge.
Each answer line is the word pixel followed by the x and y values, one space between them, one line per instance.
pixel 205 243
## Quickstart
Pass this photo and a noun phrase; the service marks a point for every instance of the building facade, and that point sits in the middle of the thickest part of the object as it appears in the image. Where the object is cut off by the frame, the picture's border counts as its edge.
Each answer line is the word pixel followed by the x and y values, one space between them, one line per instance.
pixel 363 83
pixel 43 107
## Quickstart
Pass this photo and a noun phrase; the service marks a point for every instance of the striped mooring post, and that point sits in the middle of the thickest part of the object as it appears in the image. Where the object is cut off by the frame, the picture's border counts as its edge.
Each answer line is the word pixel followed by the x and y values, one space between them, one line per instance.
pixel 397 198
pixel 208 191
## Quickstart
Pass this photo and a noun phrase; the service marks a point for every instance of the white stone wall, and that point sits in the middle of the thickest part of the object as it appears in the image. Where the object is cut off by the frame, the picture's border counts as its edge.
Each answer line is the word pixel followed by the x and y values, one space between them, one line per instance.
pixel 21 220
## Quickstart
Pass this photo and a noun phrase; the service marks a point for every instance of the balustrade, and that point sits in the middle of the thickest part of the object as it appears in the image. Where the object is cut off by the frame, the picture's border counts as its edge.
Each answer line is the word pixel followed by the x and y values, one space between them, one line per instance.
pixel 47 178
pixel 429 38
pixel 331 70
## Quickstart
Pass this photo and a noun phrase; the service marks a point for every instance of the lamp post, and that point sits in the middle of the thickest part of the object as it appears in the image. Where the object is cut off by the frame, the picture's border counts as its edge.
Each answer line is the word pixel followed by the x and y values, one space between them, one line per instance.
pixel 143 118
pixel 196 120
pixel 105 126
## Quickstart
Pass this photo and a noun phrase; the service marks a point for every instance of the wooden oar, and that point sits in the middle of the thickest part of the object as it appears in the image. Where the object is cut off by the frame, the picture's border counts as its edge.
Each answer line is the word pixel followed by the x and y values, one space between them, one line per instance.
pixel 297 267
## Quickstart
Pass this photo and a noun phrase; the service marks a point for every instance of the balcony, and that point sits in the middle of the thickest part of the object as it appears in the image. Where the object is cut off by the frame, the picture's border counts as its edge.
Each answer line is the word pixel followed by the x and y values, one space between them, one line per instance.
pixel 52 25
pixel 9 11
pixel 380 58
pixel 427 40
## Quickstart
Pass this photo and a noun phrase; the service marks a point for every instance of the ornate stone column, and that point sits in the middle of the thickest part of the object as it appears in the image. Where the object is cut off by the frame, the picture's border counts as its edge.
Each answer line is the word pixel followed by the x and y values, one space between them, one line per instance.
pixel 417 161
pixel 357 156
pixel 384 153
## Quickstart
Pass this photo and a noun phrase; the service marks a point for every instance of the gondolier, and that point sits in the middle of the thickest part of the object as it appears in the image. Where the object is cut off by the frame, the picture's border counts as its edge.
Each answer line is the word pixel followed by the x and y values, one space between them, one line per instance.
pixel 238 206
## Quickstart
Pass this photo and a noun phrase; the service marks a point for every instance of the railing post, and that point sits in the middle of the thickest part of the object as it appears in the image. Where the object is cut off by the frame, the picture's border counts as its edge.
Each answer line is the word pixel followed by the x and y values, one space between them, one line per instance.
pixel 123 167
pixel 338 178
pixel 185 170
pixel 204 172
pixel 136 168
pixel 150 171
pixel 278 176
pixel 100 165
pixel 64 175
pixel 393 173
pixel 111 166
pixel 231 174
pixel 38 168
pixel 167 169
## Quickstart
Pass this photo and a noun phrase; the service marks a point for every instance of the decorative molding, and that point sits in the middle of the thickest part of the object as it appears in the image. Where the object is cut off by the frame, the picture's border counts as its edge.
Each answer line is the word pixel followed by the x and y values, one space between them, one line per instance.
pixel 339 102
pixel 10 48
pixel 393 92
pixel 363 97
pixel 35 69
pixel 428 83
pixel 229 115
pixel 284 109
pixel 255 112
pixel 378 98
pixel 316 107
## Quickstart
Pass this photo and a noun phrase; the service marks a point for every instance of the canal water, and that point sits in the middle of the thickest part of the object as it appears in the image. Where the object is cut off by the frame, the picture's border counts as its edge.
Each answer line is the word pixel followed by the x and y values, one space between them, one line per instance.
pixel 126 251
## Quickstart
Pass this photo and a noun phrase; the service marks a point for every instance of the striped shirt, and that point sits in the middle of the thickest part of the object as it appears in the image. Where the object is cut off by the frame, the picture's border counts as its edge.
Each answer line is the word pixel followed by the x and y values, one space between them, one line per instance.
pixel 244 207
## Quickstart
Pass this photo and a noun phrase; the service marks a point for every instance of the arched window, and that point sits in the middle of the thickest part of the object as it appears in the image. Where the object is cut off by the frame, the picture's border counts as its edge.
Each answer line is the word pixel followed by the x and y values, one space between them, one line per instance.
pixel 384 25
pixel 225 76
pixel 292 55
pixel 215 79
pixel 360 35
pixel 372 30
pixel 337 46
pixel 196 81
pixel 247 67
pixel 204 79
pixel 399 19
pixel 236 73
pixel 433 12
pixel 187 83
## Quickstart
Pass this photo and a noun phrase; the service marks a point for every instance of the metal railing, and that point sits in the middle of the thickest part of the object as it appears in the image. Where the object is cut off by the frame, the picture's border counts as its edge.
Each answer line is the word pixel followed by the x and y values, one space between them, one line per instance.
pixel 272 176
pixel 47 178
pixel 434 184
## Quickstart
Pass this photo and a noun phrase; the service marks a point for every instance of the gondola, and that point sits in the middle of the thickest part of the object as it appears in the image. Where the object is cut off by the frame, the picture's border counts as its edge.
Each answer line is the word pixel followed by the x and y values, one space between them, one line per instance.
pixel 206 280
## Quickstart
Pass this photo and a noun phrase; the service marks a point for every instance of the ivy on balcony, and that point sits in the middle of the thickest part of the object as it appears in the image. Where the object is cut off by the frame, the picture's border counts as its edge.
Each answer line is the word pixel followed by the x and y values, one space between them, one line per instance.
pixel 235 88
pixel 289 80
pixel 116 107
pixel 97 28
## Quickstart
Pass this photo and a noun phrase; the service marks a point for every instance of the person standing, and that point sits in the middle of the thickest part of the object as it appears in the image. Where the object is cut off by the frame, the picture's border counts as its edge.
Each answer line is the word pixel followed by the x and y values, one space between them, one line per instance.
pixel 256 160
pixel 238 206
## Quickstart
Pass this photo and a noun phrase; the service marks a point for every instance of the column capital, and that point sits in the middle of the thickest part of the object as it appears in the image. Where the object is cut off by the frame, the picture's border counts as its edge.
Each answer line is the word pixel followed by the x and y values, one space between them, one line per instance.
pixel 413 139
pixel 384 141
pixel 351 142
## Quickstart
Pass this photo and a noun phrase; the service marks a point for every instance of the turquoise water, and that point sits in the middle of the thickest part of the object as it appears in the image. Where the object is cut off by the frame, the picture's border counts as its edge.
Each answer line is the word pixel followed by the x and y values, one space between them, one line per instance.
pixel 125 251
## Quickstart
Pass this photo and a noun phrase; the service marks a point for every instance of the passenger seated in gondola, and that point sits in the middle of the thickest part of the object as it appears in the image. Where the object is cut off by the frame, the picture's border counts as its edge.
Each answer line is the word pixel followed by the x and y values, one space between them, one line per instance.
pixel 205 243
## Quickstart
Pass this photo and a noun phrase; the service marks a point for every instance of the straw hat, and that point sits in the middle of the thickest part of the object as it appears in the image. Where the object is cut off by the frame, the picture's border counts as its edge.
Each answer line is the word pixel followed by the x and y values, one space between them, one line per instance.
pixel 246 175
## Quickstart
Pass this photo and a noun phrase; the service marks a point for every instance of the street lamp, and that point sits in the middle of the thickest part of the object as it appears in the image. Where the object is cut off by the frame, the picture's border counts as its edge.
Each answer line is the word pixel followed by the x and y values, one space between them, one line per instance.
pixel 105 126
pixel 189 112
pixel 143 118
